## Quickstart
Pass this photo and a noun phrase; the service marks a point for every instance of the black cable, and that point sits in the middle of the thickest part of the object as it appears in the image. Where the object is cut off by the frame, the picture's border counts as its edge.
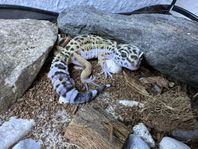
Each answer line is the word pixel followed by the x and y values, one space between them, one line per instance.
pixel 172 5
pixel 185 12
pixel 23 12
pixel 163 9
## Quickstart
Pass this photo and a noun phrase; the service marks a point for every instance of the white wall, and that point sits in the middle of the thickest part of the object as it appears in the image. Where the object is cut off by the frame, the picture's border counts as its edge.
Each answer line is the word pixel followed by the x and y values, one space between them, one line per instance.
pixel 191 5
pixel 108 5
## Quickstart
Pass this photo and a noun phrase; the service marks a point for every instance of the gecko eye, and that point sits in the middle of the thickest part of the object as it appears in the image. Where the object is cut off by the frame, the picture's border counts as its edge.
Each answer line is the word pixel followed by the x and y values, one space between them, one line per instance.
pixel 123 54
pixel 134 57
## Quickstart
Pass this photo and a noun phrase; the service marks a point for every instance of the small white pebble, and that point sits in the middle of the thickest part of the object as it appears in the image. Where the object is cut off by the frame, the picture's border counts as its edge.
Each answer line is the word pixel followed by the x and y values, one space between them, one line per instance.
pixel 131 103
pixel 135 142
pixel 141 130
pixel 108 85
pixel 170 143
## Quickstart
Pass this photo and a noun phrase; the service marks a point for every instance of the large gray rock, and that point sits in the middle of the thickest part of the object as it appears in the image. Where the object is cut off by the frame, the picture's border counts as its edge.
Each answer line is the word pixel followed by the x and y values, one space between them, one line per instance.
pixel 108 5
pixel 13 130
pixel 28 144
pixel 24 46
pixel 170 43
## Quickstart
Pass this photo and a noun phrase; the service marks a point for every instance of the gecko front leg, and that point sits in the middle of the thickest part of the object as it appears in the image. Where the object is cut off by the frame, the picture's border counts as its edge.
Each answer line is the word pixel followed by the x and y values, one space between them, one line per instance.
pixel 85 76
pixel 102 57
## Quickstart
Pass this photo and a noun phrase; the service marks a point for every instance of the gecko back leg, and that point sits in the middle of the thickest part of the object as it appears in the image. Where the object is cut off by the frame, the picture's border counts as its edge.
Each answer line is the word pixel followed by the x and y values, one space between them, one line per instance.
pixel 85 76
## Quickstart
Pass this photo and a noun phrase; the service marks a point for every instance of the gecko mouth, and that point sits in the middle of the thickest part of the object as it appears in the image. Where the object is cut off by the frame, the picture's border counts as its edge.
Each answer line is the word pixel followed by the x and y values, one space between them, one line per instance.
pixel 137 65
pixel 134 66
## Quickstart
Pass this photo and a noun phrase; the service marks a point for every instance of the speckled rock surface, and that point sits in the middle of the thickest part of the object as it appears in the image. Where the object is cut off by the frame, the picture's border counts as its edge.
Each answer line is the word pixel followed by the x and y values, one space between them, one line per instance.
pixel 169 43
pixel 24 46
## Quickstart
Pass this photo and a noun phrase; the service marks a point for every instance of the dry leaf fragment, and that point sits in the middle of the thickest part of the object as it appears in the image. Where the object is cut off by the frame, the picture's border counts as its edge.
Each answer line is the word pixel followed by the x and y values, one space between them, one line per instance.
pixel 162 82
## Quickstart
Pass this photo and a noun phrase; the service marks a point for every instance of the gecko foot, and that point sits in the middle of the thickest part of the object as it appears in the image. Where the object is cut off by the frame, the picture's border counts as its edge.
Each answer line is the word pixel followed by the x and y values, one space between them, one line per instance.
pixel 89 80
pixel 106 71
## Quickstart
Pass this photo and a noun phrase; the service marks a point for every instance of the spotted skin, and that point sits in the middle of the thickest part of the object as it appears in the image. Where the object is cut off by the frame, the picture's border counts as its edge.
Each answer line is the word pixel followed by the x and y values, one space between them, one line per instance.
pixel 84 47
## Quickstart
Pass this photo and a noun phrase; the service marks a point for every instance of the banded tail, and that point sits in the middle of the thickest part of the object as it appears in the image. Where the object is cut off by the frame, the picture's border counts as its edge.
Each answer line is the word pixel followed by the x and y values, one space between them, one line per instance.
pixel 65 86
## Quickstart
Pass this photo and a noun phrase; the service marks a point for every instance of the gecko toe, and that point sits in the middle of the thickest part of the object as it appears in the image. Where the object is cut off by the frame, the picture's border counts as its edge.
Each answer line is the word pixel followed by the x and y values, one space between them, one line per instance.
pixel 89 80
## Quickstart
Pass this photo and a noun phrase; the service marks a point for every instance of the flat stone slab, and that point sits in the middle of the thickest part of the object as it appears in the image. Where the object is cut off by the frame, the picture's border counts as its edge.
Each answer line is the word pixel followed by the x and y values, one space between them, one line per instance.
pixel 169 43
pixel 24 46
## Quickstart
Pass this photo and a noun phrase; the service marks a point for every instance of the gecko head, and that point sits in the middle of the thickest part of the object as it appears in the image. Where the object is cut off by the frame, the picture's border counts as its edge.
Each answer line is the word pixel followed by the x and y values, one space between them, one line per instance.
pixel 128 56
